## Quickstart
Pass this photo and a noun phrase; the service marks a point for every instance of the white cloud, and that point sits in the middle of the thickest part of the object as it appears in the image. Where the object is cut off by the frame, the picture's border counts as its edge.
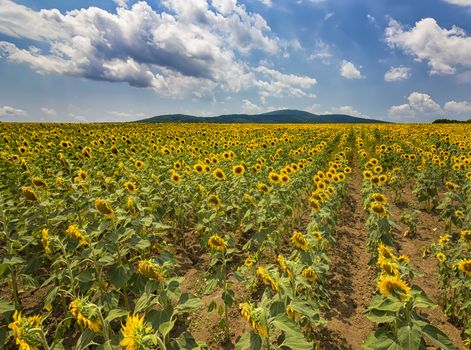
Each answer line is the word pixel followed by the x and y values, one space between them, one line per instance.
pixel 273 83
pixel 403 110
pixel 397 73
pixel 464 77
pixel 8 111
pixel 121 3
pixel 443 49
pixel 267 3
pixel 328 15
pixel 458 108
pixel 371 18
pixel 349 71
pixel 348 110
pixel 250 108
pixel 321 52
pixel 48 111
pixel 419 104
pixel 190 47
pixel 459 2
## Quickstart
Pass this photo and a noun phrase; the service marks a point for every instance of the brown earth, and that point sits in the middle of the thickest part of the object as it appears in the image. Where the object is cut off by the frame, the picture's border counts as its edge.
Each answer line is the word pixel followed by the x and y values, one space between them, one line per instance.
pixel 351 280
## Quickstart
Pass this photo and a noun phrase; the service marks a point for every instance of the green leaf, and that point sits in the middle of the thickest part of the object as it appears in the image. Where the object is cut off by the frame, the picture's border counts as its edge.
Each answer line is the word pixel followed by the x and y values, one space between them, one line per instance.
pixel 115 313
pixel 277 308
pixel 157 317
pixel 249 341
pixel 86 276
pixel 437 337
pixel 228 297
pixel 85 340
pixel 184 341
pixel 187 303
pixel 166 327
pixel 6 306
pixel 420 298
pixel 379 316
pixel 382 339
pixel 143 302
pixel 119 275
pixel 409 335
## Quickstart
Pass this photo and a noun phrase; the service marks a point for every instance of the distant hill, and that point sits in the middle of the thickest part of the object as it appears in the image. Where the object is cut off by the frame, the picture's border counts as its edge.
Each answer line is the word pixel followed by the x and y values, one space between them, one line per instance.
pixel 450 121
pixel 286 116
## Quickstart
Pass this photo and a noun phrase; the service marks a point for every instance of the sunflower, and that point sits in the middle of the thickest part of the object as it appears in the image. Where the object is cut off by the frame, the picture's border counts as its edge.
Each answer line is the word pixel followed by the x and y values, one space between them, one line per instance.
pixel 103 207
pixel 404 258
pixel 274 177
pixel 291 313
pixel 310 274
pixel 249 261
pixel 440 257
pixel 281 261
pixel 238 170
pixel 219 175
pixel 375 180
pixel 214 202
pixel 151 270
pixel 267 279
pixel 465 235
pixel 263 188
pixel 130 186
pixel 315 204
pixel 459 214
pixel 385 252
pixel 37 181
pixel 198 168
pixel 299 240
pixel 253 318
pixel 134 332
pixel 175 178
pixel 26 331
pixel 383 178
pixel 379 209
pixel 388 267
pixel 45 240
pixel 139 164
pixel 379 197
pixel 217 243
pixel 393 285
pixel 367 174
pixel 284 178
pixel 444 239
pixel 86 313
pixel 465 266
pixel 73 231
pixel 29 194
pixel 82 175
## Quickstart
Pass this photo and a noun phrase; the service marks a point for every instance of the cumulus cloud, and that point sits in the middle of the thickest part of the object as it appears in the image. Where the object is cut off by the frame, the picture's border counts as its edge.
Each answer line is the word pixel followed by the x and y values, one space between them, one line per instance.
pixel 349 71
pixel 458 108
pixel 348 110
pixel 273 83
pixel 459 2
pixel 48 111
pixel 397 73
pixel 121 3
pixel 419 104
pixel 443 49
pixel 267 3
pixel 250 107
pixel 189 47
pixel 8 111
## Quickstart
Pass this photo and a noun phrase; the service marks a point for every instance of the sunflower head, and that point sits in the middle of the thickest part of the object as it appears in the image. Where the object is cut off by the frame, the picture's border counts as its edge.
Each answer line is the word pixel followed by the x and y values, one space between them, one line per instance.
pixel 130 186
pixel 26 331
pixel 103 207
pixel 465 266
pixel 134 332
pixel 274 177
pixel 151 270
pixel 298 239
pixel 465 235
pixel 217 243
pixel 219 175
pixel 238 170
pixel 388 285
pixel 213 201
pixel 441 257
pixel 29 194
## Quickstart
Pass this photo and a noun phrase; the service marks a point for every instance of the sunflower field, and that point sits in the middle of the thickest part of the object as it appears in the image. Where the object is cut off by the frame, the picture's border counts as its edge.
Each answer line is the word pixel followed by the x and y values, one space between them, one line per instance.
pixel 197 236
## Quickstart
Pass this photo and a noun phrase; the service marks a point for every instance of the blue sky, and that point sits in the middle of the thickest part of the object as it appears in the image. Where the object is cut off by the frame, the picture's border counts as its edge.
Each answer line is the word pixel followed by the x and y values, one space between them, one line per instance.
pixel 85 61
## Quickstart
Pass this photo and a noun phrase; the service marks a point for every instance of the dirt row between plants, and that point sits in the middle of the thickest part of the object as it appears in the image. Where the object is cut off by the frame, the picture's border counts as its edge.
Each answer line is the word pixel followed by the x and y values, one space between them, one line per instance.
pixel 351 280
pixel 429 229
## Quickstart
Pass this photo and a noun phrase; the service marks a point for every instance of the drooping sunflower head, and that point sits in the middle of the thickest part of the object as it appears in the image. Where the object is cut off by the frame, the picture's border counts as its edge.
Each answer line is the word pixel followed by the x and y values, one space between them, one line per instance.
pixel 388 285
pixel 254 318
pixel 263 188
pixel 267 278
pixel 388 267
pixel 29 194
pixel 379 209
pixel 151 270
pixel 213 201
pixel 310 274
pixel 26 331
pixel 86 313
pixel 299 240
pixel 37 181
pixel 217 243
pixel 134 333
pixel 385 252
pixel 103 207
